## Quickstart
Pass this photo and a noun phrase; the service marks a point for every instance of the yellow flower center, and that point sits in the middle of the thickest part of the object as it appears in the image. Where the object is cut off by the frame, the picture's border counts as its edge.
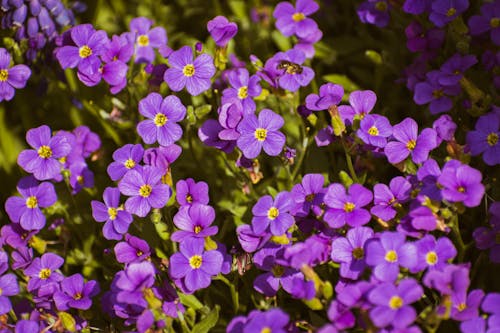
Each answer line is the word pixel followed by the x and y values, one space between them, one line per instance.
pixel 492 139
pixel 297 17
pixel 129 164
pixel 310 197
pixel 266 330
pixel 391 256
pixel 80 179
pixel 195 261
pixel 44 152
pixel 243 92
pixel 358 253
pixel 77 296
pixel 112 212
pixel 381 6
pixel 349 207
pixel 495 22
pixel 189 198
pixel 160 119
pixel 44 273
pixel 373 131
pixel 260 134
pixel 452 11
pixel 31 202
pixel 145 190
pixel 197 229
pixel 438 93
pixel 4 75
pixel 188 70
pixel 431 258
pixel 139 253
pixel 1 291
pixel 273 213
pixel 278 270
pixel 461 189
pixel 395 302
pixel 85 51
pixel 461 307
pixel 411 144
pixel 143 40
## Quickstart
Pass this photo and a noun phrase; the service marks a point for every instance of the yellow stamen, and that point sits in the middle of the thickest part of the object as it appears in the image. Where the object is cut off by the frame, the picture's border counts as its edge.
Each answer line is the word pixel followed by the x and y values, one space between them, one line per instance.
pixel 266 330
pixel 495 22
pixel 77 296
pixel 197 229
pixel 373 131
pixel 188 70
pixel 4 75
pixel 243 92
pixel 129 164
pixel 195 261
pixel 452 11
pixel 492 139
pixel 189 198
pixel 145 190
pixel 160 119
pixel 381 6
pixel 112 212
pixel 143 40
pixel 395 302
pixel 260 134
pixel 349 207
pixel 431 258
pixel 391 256
pixel 44 152
pixel 411 144
pixel 273 213
pixel 31 202
pixel 44 273
pixel 297 17
pixel 85 51
pixel 358 253
pixel 278 270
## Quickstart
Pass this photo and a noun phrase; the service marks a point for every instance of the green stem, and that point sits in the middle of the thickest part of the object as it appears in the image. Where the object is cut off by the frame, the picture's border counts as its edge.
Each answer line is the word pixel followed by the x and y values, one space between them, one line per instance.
pixel 298 165
pixel 350 166
pixel 234 293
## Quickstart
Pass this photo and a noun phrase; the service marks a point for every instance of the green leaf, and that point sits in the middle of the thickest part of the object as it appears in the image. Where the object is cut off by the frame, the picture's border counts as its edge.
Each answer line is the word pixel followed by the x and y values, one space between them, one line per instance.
pixel 338 125
pixel 272 191
pixel 190 301
pixel 208 322
pixel 343 80
pixel 345 179
pixel 374 56
pixel 281 41
pixel 191 118
pixel 67 321
pixel 202 111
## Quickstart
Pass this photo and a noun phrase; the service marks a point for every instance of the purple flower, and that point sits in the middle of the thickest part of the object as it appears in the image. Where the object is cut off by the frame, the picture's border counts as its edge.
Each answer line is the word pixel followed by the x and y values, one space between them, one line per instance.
pixel 9 287
pixel 438 95
pixel 428 174
pixel 419 40
pixel 417 7
pixel 392 303
pixel 452 280
pixel 221 30
pixel 125 158
pixel 349 252
pixel 75 293
pixel 290 20
pixel 262 132
pixel 306 44
pixel 43 161
pixel 273 320
pixel 11 77
pixel 43 271
pixel 249 240
pixel 273 215
pixel 133 281
pixel 145 190
pixel 27 326
pixel 386 253
pixel 466 307
pixel 452 70
pixel 489 20
pixel 386 197
pixel 486 238
pixel 185 71
pixel 461 183
pixel 410 143
pixel 189 192
pixel 445 128
pixel 209 135
pixel 485 138
pixel 132 250
pixel 146 39
pixel 374 130
pixel 243 87
pixel 162 157
pixel 290 74
pixel 346 207
pixel 163 115
pixel 374 12
pixel 361 103
pixel 445 11
pixel 433 254
pixel 308 195
pixel 329 95
pixel 118 49
pixel 26 209
pixel 195 266
pixel 117 220
pixel 194 222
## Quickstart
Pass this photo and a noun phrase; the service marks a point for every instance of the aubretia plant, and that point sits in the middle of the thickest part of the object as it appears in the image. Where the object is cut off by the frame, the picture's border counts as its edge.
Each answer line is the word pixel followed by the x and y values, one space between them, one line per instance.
pixel 283 166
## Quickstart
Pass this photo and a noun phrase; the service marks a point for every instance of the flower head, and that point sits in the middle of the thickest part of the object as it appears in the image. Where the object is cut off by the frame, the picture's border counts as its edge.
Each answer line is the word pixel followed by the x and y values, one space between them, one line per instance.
pixel 117 219
pixel 146 39
pixel 273 215
pixel 195 222
pixel 221 30
pixel 11 78
pixel 75 293
pixel 346 207
pixel 294 20
pixel 485 139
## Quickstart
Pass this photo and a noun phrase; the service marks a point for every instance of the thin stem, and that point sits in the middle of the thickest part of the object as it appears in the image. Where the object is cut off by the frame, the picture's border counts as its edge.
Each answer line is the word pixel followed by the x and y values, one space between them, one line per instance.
pixel 350 166
pixel 234 293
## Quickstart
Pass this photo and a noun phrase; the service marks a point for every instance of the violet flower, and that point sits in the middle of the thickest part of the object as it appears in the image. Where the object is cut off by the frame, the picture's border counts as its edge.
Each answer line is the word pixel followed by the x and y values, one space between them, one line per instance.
pixel 243 87
pixel 125 158
pixel 75 293
pixel 117 219
pixel 433 254
pixel 308 195
pixel 273 215
pixel 346 207
pixel 452 70
pixel 273 320
pixel 132 282
pixel 11 78
pixel 445 11
pixel 43 271
pixel 361 103
pixel 485 138
pixel 132 250
pixel 386 197
pixel 374 130
pixel 195 222
pixel 221 30
pixel 461 183
pixel 374 12
pixel 488 21
pixel 432 92
pixel 146 39
pixel 9 287
pixel 188 192
pixel 293 20
pixel 329 95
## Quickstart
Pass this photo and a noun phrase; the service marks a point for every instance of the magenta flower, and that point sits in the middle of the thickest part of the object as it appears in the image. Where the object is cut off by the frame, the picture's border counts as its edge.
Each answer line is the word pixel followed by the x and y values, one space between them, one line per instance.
pixel 146 39
pixel 133 281
pixel 243 87
pixel 386 197
pixel 346 206
pixel 11 77
pixel 26 210
pixel 195 222
pixel 461 183
pixel 43 271
pixel 488 21
pixel 9 287
pixel 43 161
pixel 75 293
pixel 261 133
pixel 485 138
pixel 185 71
pixel 329 95
pixel 290 20
pixel 132 250
pixel 361 103
pixel 221 30
pixel 433 254
pixel 437 95
pixel 163 115
pixel 194 265
pixel 145 190
pixel 410 143
pixel 125 158
pixel 189 192
pixel 392 303
pixel 273 215
pixel 308 195
pixel 374 130
pixel 117 219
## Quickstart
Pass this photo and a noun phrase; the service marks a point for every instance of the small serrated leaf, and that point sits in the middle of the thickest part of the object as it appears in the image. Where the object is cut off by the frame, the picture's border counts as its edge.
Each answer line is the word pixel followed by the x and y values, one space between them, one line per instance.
pixel 207 323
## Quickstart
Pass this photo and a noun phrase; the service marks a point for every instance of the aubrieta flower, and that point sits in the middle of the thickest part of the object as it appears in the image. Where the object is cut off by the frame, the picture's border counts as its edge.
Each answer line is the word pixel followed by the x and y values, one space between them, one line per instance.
pixel 27 326
pixel 361 103
pixel 125 158
pixel 117 219
pixel 485 138
pixel 75 293
pixel 273 215
pixel 417 7
pixel 387 252
pixel 374 130
pixel 445 128
pixel 419 40
pixel 194 265
pixel 306 44
pixel 189 192
pixel 489 20
pixel 11 78
pixel 346 207
pixel 26 210
pixel 329 95
pixel 162 157
pixel 308 195
pixel 392 303
pixel 243 87
pixel 291 75
pixel 145 190
pixel 195 222
pixel 185 71
pixel 43 161
pixel 133 281
pixel 445 11
pixel 349 252
pixel 433 254
pixel 163 115
pixel 132 250
pixel 461 183
pixel 486 238
pixel 221 30
pixel 43 271
pixel 466 306
pixel 452 70
pixel 437 95
pixel 293 20
pixel 146 39
pixel 409 142
pixel 374 12
pixel 9 287
pixel 273 320
pixel 386 197
pixel 261 133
